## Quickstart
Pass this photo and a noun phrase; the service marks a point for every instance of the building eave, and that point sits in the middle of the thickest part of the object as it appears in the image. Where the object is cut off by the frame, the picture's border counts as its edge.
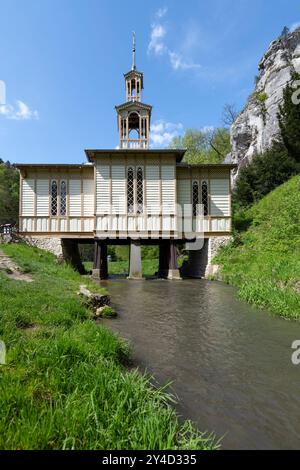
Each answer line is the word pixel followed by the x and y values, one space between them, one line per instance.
pixel 92 154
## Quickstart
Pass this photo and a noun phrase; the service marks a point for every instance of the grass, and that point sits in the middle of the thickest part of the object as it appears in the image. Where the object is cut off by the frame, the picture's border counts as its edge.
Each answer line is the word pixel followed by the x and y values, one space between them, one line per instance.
pixel 65 385
pixel 264 259
pixel 149 267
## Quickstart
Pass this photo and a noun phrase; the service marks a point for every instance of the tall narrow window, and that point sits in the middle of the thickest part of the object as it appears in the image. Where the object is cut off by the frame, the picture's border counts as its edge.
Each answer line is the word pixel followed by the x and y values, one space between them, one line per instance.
pixel 54 198
pixel 139 190
pixel 63 198
pixel 130 191
pixel 204 197
pixel 195 198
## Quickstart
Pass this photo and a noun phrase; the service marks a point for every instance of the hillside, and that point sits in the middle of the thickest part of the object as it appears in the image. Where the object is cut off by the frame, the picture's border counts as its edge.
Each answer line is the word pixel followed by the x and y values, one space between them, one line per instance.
pixel 264 260
pixel 65 384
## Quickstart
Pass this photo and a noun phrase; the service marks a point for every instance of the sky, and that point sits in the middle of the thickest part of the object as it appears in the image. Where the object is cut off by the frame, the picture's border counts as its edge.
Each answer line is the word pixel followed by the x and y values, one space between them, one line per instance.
pixel 62 64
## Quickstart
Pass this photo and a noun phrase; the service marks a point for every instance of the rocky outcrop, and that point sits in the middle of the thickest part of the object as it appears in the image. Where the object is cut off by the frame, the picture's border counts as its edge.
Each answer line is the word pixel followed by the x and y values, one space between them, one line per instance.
pixel 256 127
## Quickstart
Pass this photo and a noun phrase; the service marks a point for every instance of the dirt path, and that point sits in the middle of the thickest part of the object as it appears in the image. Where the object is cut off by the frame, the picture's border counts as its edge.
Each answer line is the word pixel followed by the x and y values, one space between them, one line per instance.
pixel 12 269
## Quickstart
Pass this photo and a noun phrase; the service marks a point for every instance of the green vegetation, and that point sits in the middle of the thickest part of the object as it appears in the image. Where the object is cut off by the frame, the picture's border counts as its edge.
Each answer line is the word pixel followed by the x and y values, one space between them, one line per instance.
pixel 263 174
pixel 204 146
pixel 9 193
pixel 149 266
pixel 263 261
pixel 289 117
pixel 64 385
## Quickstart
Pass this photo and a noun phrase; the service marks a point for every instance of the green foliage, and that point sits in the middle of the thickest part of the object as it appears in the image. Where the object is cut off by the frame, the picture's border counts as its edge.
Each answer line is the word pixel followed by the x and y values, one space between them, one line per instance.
pixel 262 96
pixel 263 174
pixel 64 385
pixel 204 146
pixel 108 312
pixel 9 194
pixel 289 119
pixel 263 261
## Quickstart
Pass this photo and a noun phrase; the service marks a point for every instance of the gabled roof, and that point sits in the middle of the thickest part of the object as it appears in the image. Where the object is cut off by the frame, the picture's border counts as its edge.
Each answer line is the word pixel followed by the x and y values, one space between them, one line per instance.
pixel 134 105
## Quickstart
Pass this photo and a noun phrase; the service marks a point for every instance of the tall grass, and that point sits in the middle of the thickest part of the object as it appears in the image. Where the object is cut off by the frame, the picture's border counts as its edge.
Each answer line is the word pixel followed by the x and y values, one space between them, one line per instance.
pixel 264 260
pixel 65 385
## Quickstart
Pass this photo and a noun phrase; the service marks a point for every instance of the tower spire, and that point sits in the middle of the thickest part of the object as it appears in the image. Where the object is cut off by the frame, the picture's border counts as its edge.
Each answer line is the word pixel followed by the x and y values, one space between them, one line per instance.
pixel 133 51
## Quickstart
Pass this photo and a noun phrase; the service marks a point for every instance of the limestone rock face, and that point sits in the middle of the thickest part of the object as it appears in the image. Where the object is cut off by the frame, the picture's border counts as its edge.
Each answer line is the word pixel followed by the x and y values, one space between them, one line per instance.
pixel 256 127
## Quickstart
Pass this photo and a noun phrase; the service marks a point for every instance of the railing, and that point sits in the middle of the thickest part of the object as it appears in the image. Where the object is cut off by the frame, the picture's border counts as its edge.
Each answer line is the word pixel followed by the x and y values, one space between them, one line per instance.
pixel 134 144
pixel 6 229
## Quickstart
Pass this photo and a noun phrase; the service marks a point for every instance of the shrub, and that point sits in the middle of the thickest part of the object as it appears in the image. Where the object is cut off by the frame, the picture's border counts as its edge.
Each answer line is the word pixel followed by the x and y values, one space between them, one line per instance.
pixel 263 174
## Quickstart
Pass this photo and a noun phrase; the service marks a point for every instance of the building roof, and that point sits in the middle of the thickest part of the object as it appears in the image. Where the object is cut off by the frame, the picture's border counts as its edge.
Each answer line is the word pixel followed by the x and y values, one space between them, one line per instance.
pixel 230 166
pixel 133 104
pixel 91 154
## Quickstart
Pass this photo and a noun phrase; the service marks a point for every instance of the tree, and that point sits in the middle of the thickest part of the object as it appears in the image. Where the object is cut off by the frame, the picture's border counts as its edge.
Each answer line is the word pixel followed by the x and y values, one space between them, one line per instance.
pixel 204 146
pixel 284 32
pixel 263 174
pixel 229 115
pixel 9 194
pixel 289 119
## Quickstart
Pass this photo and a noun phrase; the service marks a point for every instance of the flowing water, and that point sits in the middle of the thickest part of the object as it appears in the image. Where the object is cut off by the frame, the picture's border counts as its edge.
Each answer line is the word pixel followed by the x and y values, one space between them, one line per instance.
pixel 230 364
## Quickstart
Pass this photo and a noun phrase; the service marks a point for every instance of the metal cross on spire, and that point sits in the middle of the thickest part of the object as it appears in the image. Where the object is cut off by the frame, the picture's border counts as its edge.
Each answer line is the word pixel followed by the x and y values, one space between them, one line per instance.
pixel 133 51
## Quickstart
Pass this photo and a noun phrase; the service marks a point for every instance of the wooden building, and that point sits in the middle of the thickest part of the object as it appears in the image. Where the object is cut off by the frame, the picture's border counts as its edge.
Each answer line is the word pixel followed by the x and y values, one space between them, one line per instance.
pixel 133 194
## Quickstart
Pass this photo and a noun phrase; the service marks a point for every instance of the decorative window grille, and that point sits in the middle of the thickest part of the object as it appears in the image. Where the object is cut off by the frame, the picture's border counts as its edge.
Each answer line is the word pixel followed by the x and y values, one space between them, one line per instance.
pixel 139 190
pixel 130 191
pixel 63 198
pixel 195 198
pixel 204 197
pixel 54 198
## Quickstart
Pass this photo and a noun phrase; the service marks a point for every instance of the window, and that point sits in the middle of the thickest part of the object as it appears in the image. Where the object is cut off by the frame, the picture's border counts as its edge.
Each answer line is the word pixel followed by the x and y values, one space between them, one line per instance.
pixel 195 198
pixel 54 198
pixel 204 197
pixel 130 191
pixel 140 190
pixel 63 198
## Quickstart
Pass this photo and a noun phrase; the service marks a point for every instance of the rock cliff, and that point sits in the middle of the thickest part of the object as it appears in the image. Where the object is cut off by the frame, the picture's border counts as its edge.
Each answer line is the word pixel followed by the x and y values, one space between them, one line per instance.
pixel 256 127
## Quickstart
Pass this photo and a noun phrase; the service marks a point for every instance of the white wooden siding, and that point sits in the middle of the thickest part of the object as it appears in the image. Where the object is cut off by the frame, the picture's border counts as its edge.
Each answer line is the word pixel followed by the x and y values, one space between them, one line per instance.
pixel 168 189
pixel 103 189
pixel 118 189
pixel 153 189
pixel 28 197
pixel 88 197
pixel 75 197
pixel 220 197
pixel 42 198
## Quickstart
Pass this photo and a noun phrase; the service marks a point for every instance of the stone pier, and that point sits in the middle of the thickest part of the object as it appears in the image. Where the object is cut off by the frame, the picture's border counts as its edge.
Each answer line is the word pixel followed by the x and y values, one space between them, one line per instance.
pixel 100 268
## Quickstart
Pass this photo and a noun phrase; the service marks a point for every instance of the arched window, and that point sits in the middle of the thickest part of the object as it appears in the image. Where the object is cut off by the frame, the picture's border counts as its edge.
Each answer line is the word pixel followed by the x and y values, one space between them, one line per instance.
pixel 195 198
pixel 54 198
pixel 204 197
pixel 139 190
pixel 130 191
pixel 63 198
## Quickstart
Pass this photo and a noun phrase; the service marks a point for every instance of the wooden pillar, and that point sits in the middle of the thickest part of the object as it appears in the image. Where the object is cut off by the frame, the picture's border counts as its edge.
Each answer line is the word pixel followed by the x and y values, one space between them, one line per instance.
pixel 100 270
pixel 164 249
pixel 135 261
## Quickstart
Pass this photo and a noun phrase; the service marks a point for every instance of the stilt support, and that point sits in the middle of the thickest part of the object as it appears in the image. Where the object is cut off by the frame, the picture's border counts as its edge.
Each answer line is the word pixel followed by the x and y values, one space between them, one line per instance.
pixel 100 269
pixel 135 261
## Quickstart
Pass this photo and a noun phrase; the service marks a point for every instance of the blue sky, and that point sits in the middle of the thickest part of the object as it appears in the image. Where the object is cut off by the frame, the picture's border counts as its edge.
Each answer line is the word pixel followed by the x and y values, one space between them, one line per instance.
pixel 62 62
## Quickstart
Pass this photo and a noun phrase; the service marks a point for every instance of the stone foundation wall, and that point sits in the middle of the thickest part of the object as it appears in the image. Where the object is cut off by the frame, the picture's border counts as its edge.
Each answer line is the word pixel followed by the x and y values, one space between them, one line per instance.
pixel 51 244
pixel 200 262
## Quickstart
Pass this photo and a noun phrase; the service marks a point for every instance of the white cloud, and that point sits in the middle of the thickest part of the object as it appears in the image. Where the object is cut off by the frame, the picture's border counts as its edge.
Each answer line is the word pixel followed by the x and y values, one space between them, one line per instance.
pixel 156 43
pixel 162 132
pixel 178 62
pixel 20 112
pixel 158 46
pixel 295 26
pixel 161 12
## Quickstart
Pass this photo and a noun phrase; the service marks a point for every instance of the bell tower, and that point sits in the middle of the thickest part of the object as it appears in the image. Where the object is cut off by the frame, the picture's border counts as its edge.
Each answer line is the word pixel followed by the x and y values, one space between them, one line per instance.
pixel 133 115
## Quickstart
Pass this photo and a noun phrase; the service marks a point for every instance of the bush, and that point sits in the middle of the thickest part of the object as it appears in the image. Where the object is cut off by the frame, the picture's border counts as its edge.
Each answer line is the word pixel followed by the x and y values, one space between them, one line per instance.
pixel 263 174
